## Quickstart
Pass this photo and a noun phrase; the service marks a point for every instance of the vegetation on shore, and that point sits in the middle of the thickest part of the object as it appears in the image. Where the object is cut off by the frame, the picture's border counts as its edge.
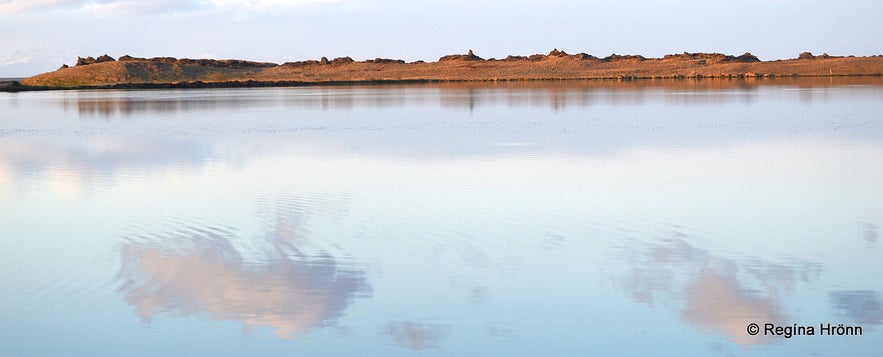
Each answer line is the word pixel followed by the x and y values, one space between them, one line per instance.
pixel 168 72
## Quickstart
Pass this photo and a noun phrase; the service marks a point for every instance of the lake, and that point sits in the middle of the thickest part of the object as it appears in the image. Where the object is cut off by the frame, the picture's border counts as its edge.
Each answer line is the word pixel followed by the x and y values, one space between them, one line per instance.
pixel 539 218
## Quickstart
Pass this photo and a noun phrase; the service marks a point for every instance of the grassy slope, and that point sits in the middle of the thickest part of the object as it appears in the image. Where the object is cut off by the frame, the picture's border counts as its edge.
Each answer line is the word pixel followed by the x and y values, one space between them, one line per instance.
pixel 549 67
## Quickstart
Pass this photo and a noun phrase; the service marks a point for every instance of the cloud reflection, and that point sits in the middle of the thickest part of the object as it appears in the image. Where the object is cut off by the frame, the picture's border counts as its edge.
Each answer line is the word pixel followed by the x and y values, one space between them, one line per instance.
pixel 416 336
pixel 861 306
pixel 200 272
pixel 717 294
pixel 871 235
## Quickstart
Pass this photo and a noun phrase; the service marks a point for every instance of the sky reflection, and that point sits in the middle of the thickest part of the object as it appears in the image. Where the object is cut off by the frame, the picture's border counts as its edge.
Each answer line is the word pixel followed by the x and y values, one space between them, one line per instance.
pixel 416 335
pixel 859 306
pixel 449 218
pixel 717 294
pixel 197 271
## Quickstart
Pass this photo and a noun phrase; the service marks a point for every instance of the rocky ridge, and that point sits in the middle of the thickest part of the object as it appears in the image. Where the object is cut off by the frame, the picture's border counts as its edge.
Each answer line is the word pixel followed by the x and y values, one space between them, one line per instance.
pixel 128 71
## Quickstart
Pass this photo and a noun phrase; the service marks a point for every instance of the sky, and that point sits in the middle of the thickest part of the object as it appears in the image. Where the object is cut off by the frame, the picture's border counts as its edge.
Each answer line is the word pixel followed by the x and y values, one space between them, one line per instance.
pixel 38 36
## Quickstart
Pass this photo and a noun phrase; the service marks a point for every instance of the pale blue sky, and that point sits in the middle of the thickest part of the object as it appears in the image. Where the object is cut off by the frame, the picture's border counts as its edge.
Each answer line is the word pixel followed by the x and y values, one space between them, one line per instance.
pixel 40 35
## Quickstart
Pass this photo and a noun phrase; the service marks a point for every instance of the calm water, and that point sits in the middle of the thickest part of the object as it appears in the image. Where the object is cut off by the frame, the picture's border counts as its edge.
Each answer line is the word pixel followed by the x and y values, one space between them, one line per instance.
pixel 573 218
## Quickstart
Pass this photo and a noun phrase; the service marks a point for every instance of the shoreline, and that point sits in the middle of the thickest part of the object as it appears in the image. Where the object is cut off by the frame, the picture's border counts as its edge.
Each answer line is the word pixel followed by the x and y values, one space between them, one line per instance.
pixel 16 86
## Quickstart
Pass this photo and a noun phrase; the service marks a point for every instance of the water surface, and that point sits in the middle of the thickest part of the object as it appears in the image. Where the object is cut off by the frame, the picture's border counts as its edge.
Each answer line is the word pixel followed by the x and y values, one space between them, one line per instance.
pixel 562 218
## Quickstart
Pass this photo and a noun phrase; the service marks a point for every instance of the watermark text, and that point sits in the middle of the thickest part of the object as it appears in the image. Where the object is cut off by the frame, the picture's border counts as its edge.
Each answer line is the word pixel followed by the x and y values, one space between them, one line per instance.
pixel 789 331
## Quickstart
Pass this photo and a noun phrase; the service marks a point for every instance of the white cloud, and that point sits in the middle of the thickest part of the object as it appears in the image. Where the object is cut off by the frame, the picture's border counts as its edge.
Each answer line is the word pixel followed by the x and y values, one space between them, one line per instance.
pixel 16 60
pixel 28 62
pixel 265 3
pixel 23 56
pixel 23 6
pixel 144 7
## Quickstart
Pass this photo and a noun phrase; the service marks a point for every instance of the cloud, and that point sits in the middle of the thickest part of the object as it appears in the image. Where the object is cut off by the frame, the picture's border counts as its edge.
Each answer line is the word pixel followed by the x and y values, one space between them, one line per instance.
pixel 16 59
pixel 26 56
pixel 145 7
pixel 28 61
pixel 142 7
pixel 264 4
pixel 25 6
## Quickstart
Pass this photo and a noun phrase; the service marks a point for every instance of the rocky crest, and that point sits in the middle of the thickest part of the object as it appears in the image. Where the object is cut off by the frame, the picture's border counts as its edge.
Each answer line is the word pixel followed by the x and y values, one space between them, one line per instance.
pixel 224 63
pixel 616 58
pixel 135 72
pixel 698 58
pixel 384 60
pixel 810 56
pixel 747 57
pixel 467 57
pixel 706 58
pixel 90 60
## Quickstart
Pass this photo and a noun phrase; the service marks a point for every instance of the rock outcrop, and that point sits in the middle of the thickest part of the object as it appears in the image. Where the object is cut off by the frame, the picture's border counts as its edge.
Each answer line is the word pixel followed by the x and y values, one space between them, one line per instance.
pixel 469 56
pixel 85 61
pixel 384 60
pixel 556 53
pixel 91 60
pixel 806 55
pixel 125 58
pixel 219 63
pixel 616 58
pixel 300 63
pixel 104 58
pixel 164 59
pixel 342 60
pixel 747 57
pixel 708 58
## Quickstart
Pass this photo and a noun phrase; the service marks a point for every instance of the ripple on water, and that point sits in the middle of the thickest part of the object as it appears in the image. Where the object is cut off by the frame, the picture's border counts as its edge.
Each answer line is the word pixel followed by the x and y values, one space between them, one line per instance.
pixel 200 270
pixel 511 215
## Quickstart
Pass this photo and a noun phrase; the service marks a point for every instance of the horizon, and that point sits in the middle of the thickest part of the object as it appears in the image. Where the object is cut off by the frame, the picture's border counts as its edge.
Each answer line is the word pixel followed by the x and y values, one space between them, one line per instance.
pixel 280 31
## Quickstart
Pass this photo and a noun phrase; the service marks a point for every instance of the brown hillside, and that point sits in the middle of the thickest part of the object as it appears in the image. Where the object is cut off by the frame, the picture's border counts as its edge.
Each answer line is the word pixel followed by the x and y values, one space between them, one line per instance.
pixel 129 71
